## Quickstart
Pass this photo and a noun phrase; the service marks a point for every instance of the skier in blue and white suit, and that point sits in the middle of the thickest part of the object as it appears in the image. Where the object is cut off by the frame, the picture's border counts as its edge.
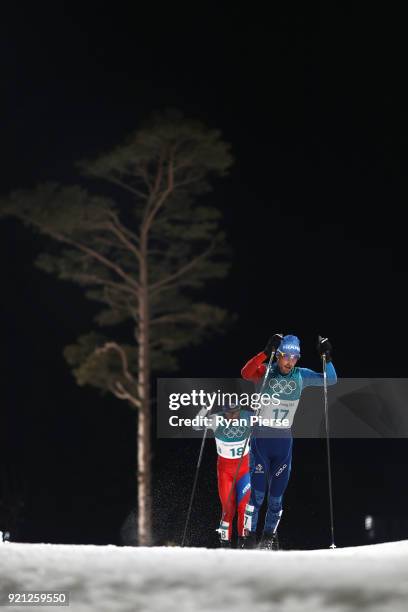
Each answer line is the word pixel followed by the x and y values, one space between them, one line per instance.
pixel 271 442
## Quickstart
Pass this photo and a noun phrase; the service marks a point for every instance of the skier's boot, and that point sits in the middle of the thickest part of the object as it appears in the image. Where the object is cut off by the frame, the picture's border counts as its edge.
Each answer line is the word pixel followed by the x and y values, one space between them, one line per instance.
pixel 269 541
pixel 223 532
pixel 249 540
pixel 241 542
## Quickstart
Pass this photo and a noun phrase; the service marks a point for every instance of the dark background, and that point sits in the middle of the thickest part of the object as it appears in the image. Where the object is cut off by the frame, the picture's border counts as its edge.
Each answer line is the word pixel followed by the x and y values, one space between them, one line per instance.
pixel 314 104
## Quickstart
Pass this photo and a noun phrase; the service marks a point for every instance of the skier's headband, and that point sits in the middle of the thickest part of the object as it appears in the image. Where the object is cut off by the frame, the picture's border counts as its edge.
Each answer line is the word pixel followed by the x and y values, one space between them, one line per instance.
pixel 291 356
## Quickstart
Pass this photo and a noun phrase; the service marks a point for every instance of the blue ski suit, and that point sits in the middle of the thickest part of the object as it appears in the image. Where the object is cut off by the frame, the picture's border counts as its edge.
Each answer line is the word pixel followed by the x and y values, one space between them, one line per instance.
pixel 271 446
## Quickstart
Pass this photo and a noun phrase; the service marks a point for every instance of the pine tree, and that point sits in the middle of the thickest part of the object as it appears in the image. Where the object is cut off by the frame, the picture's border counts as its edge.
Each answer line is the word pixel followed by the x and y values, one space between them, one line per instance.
pixel 144 252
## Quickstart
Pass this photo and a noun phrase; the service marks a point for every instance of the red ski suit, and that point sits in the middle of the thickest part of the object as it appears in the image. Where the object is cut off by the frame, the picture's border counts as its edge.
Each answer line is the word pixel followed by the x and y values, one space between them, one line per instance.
pixel 255 369
pixel 226 470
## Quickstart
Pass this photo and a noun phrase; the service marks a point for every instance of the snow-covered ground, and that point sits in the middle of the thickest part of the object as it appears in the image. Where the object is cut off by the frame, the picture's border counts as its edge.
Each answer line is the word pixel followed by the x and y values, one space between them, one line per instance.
pixel 112 578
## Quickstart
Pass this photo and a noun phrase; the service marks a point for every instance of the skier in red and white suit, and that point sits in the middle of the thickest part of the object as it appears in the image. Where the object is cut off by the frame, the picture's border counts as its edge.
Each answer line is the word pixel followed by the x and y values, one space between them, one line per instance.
pixel 231 430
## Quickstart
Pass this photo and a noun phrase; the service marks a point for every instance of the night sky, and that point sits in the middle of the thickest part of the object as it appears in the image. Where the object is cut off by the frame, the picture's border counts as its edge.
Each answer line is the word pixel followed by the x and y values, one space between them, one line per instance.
pixel 313 101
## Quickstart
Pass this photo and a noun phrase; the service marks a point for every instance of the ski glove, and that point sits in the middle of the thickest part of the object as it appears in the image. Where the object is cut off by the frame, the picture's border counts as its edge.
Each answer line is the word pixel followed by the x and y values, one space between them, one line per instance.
pixel 273 344
pixel 325 348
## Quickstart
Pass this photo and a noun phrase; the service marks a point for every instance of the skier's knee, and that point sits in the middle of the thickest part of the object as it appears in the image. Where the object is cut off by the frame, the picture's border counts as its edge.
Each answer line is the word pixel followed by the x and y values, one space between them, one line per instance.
pixel 257 497
pixel 275 503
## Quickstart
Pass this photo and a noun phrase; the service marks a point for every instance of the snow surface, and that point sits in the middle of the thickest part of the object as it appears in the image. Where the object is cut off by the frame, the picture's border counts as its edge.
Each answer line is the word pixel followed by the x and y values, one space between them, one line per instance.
pixel 170 579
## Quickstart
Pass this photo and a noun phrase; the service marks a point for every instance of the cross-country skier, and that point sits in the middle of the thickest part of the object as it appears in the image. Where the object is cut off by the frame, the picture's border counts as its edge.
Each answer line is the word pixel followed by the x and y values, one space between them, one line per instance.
pixel 271 443
pixel 231 429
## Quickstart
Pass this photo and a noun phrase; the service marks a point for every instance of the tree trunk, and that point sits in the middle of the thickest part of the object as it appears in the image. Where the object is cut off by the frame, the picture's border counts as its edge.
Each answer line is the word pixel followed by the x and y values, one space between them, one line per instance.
pixel 143 423
pixel 143 478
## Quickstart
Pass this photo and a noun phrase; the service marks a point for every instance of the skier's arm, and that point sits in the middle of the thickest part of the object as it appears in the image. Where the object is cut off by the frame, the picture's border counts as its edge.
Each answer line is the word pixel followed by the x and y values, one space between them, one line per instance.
pixel 211 420
pixel 255 368
pixel 311 378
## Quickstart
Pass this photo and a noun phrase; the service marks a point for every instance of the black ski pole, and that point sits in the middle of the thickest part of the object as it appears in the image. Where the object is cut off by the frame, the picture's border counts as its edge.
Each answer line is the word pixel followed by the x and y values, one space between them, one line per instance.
pixel 194 486
pixel 246 440
pixel 326 415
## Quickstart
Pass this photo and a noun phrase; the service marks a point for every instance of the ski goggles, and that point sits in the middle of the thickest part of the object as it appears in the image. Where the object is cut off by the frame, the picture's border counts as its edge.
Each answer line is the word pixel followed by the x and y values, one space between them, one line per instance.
pixel 290 356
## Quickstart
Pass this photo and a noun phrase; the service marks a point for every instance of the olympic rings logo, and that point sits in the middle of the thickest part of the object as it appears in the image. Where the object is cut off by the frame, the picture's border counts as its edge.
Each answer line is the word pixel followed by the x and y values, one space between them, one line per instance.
pixel 234 432
pixel 282 386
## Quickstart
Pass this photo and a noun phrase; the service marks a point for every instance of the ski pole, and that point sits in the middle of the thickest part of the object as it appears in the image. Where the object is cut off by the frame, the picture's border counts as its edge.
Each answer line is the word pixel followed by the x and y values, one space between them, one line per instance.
pixel 194 486
pixel 326 415
pixel 246 441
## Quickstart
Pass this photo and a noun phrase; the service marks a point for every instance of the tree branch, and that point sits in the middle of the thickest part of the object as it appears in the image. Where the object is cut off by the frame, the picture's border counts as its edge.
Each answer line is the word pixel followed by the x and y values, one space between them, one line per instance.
pixel 95 255
pixel 122 354
pixel 131 247
pixel 149 216
pixel 123 228
pixel 93 278
pixel 127 187
pixel 120 392
pixel 159 174
pixel 145 174
pixel 172 318
pixel 116 304
pixel 183 270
